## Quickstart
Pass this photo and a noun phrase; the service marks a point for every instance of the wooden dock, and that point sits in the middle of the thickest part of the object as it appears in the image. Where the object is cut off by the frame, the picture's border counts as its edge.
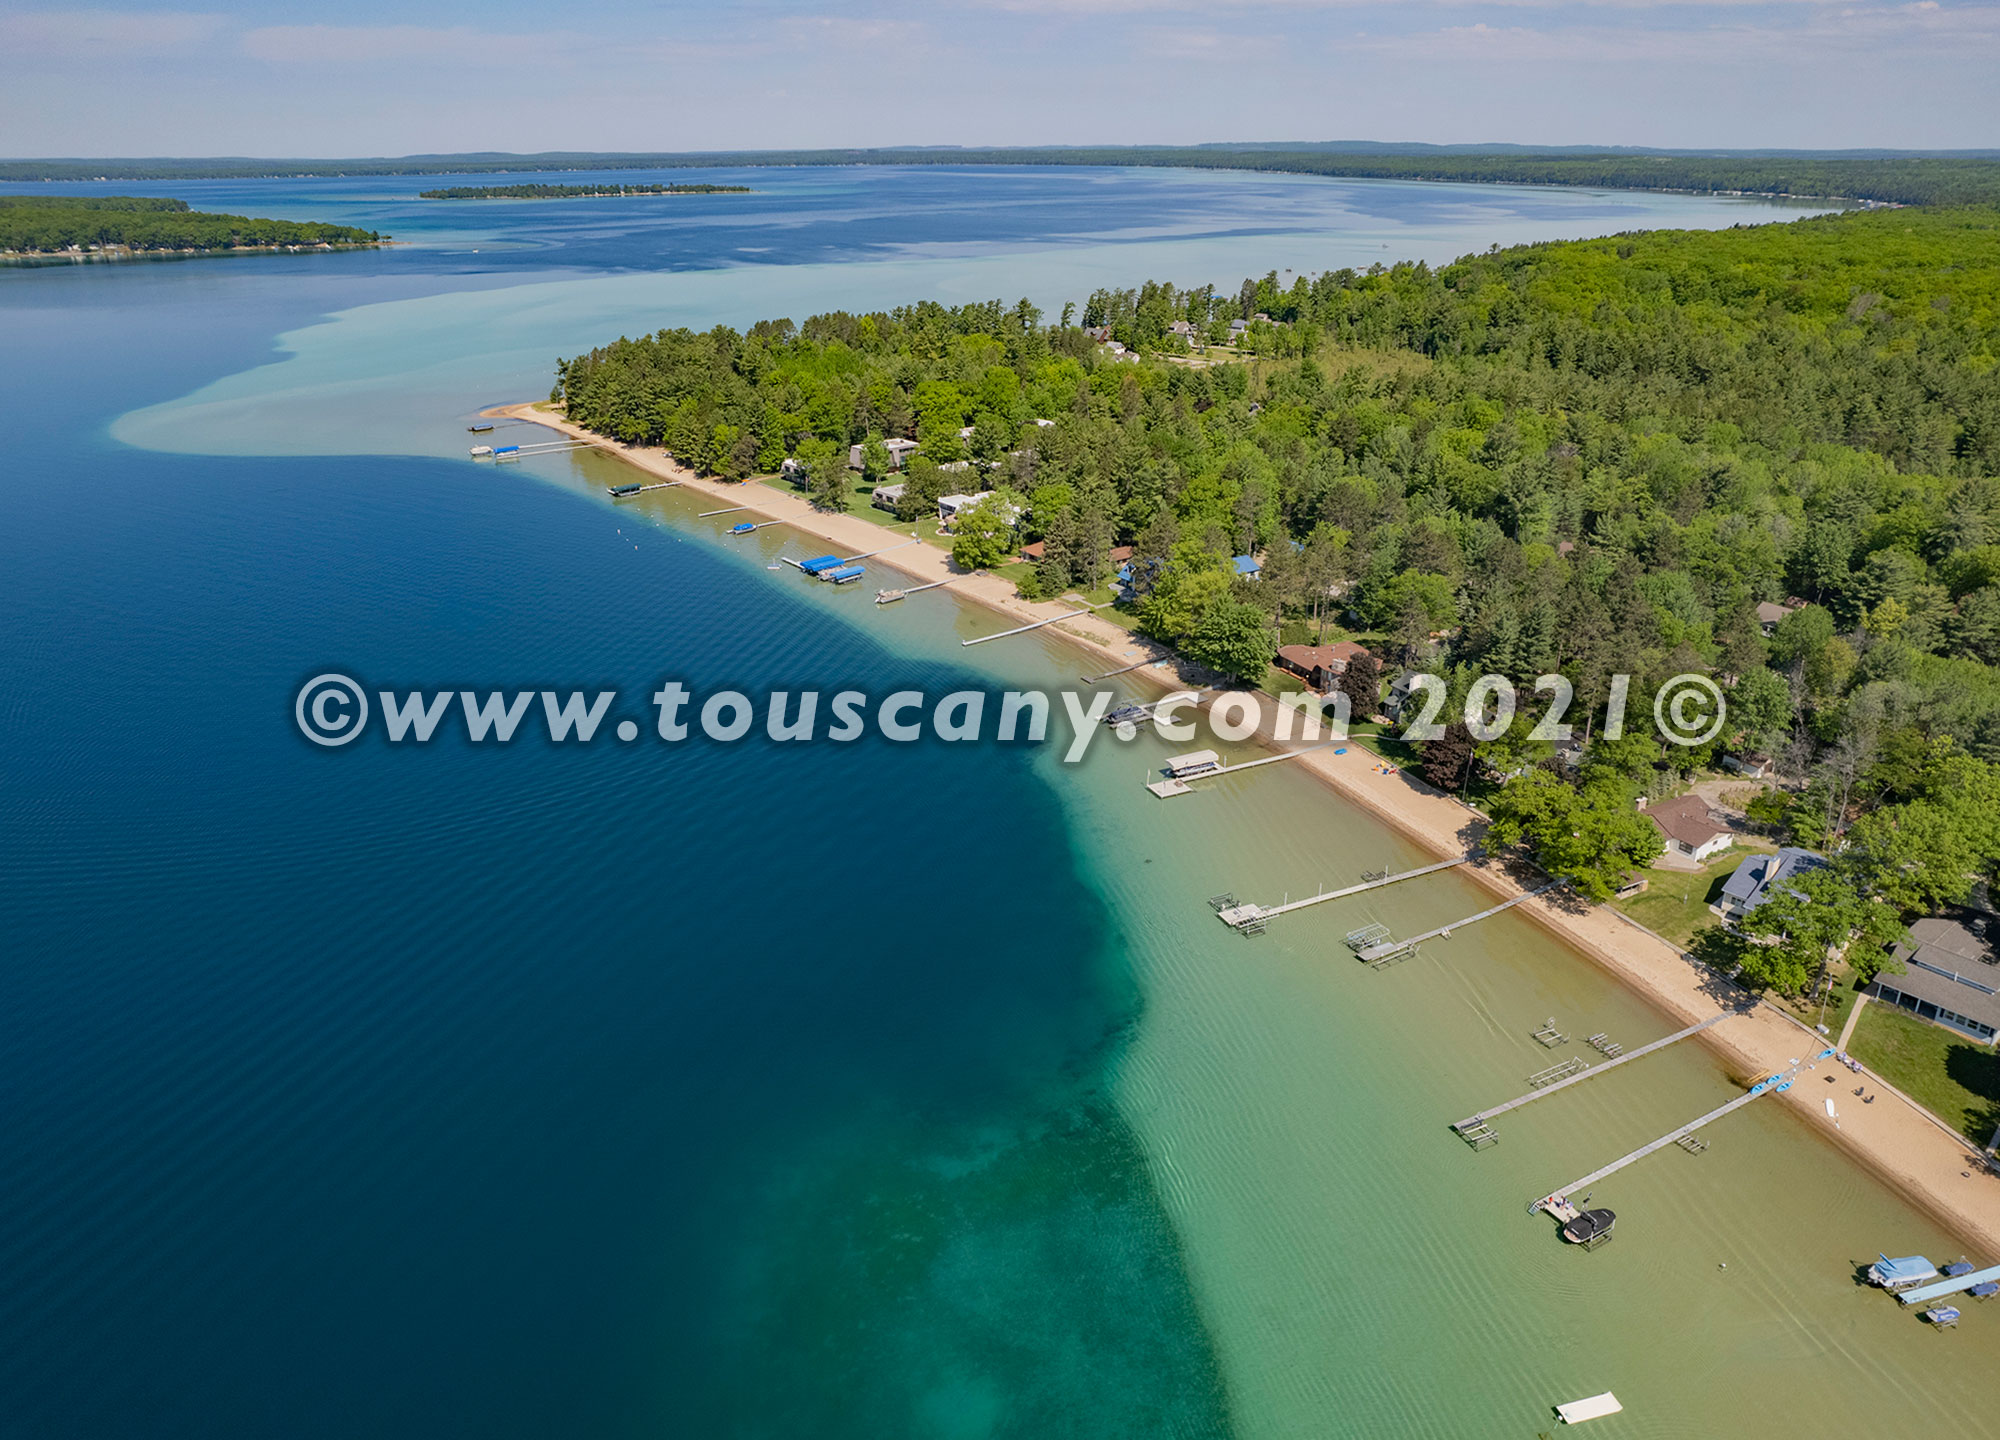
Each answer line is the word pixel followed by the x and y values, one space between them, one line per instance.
pixel 1182 785
pixel 1543 1089
pixel 1557 1202
pixel 1023 629
pixel 889 597
pixel 1238 917
pixel 1953 1286
pixel 1382 952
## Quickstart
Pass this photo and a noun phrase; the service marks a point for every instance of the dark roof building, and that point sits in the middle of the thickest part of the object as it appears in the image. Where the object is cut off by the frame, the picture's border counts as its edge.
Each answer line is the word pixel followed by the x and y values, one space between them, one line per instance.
pixel 1754 880
pixel 1950 975
pixel 1319 665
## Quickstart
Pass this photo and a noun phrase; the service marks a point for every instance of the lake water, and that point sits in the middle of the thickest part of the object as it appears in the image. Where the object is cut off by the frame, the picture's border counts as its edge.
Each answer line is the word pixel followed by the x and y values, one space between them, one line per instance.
pixel 759 1090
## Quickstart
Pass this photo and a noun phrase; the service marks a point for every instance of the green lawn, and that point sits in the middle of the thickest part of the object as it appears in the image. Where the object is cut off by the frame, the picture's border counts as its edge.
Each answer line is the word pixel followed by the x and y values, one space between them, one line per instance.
pixel 1954 1076
pixel 1676 903
pixel 1840 997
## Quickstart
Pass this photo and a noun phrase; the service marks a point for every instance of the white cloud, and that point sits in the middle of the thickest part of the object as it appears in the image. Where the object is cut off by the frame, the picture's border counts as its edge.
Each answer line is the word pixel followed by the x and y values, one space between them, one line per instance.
pixel 103 34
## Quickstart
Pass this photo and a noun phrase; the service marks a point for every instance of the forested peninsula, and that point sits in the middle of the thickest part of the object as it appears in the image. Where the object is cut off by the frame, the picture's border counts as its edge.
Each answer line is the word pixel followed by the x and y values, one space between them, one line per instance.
pixel 32 225
pixel 573 192
pixel 1582 458
pixel 1894 179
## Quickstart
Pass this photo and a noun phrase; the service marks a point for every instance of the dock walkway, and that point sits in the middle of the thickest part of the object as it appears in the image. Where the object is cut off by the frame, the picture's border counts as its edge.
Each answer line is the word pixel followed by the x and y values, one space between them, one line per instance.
pixel 1558 1200
pixel 1184 784
pixel 1943 1288
pixel 1239 916
pixel 1383 951
pixel 1544 1091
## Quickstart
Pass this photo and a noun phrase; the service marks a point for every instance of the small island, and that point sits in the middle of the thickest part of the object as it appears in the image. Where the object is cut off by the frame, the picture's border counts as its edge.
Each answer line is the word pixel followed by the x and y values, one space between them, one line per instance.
pixel 574 192
pixel 115 226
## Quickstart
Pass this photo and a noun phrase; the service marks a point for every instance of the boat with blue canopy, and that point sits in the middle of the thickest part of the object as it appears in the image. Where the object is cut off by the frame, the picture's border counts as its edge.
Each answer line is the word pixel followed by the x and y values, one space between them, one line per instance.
pixel 1900 1274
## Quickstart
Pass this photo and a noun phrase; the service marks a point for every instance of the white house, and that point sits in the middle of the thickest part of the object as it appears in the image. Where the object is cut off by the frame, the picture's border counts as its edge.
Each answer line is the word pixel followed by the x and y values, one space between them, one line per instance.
pixel 1692 830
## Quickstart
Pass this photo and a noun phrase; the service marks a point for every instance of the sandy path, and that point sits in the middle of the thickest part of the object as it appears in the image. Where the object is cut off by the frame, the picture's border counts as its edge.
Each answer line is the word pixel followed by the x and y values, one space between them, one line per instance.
pixel 1894 1137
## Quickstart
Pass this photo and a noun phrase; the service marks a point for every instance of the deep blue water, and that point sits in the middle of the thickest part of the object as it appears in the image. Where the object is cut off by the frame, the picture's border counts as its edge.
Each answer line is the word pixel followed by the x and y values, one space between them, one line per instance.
pixel 504 1092
pixel 537 1091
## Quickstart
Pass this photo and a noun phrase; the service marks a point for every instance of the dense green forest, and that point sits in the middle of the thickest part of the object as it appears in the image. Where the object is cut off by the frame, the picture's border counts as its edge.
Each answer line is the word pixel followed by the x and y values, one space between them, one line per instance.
pixel 573 192
pixel 1588 458
pixel 31 224
pixel 1956 179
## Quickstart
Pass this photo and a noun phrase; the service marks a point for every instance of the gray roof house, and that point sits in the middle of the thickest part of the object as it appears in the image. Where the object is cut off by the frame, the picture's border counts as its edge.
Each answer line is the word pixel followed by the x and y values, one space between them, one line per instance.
pixel 1951 977
pixel 1753 881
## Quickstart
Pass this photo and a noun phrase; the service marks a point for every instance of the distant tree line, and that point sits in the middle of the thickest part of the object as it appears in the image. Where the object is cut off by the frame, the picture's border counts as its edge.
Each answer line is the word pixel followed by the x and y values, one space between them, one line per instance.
pixel 573 192
pixel 41 224
pixel 1890 179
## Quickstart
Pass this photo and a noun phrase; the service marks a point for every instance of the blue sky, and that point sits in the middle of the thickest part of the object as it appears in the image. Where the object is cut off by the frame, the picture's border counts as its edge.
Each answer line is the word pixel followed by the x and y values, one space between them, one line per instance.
pixel 369 78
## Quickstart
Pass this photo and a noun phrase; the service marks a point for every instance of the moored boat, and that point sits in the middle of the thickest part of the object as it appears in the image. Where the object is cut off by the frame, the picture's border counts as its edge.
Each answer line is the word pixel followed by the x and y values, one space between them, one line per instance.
pixel 1942 1316
pixel 1901 1273
pixel 1589 1228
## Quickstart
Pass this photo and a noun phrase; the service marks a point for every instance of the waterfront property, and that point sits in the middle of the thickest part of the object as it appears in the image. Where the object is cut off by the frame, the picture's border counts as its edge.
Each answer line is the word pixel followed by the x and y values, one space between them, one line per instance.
pixel 898 448
pixel 1319 665
pixel 1755 878
pixel 1950 976
pixel 887 497
pixel 1692 830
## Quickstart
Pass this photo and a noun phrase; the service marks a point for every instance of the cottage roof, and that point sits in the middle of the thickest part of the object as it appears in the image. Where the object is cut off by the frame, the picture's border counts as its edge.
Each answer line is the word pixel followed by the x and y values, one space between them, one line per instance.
pixel 1952 966
pixel 1750 884
pixel 1686 818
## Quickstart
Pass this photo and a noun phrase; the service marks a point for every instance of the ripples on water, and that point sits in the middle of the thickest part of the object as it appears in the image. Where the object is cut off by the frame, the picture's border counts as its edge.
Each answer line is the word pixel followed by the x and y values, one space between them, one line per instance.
pixel 615 1091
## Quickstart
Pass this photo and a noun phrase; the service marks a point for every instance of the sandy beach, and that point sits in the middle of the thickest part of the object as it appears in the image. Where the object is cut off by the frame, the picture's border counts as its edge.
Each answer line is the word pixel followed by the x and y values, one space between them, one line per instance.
pixel 1932 1167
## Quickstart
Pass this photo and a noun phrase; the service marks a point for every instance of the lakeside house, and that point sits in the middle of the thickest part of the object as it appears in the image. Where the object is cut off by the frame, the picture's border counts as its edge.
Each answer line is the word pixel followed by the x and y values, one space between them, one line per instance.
pixel 1752 882
pixel 1951 977
pixel 1248 567
pixel 794 471
pixel 1692 830
pixel 899 450
pixel 888 497
pixel 1319 665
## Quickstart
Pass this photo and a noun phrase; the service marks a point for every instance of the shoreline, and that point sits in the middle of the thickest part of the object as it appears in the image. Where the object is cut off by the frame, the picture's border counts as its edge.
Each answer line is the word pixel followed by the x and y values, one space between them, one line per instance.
pixel 1898 1142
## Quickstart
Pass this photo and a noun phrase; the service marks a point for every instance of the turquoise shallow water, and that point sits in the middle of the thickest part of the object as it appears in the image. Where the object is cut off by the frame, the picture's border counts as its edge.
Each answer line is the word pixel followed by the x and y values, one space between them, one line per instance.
pixel 879 1091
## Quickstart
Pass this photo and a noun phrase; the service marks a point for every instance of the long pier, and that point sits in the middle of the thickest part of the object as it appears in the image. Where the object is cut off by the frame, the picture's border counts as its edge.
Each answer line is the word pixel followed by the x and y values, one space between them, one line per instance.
pixel 887 597
pixel 1949 1287
pixel 1238 917
pixel 1390 949
pixel 1557 1201
pixel 1183 784
pixel 1023 629
pixel 1472 1121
